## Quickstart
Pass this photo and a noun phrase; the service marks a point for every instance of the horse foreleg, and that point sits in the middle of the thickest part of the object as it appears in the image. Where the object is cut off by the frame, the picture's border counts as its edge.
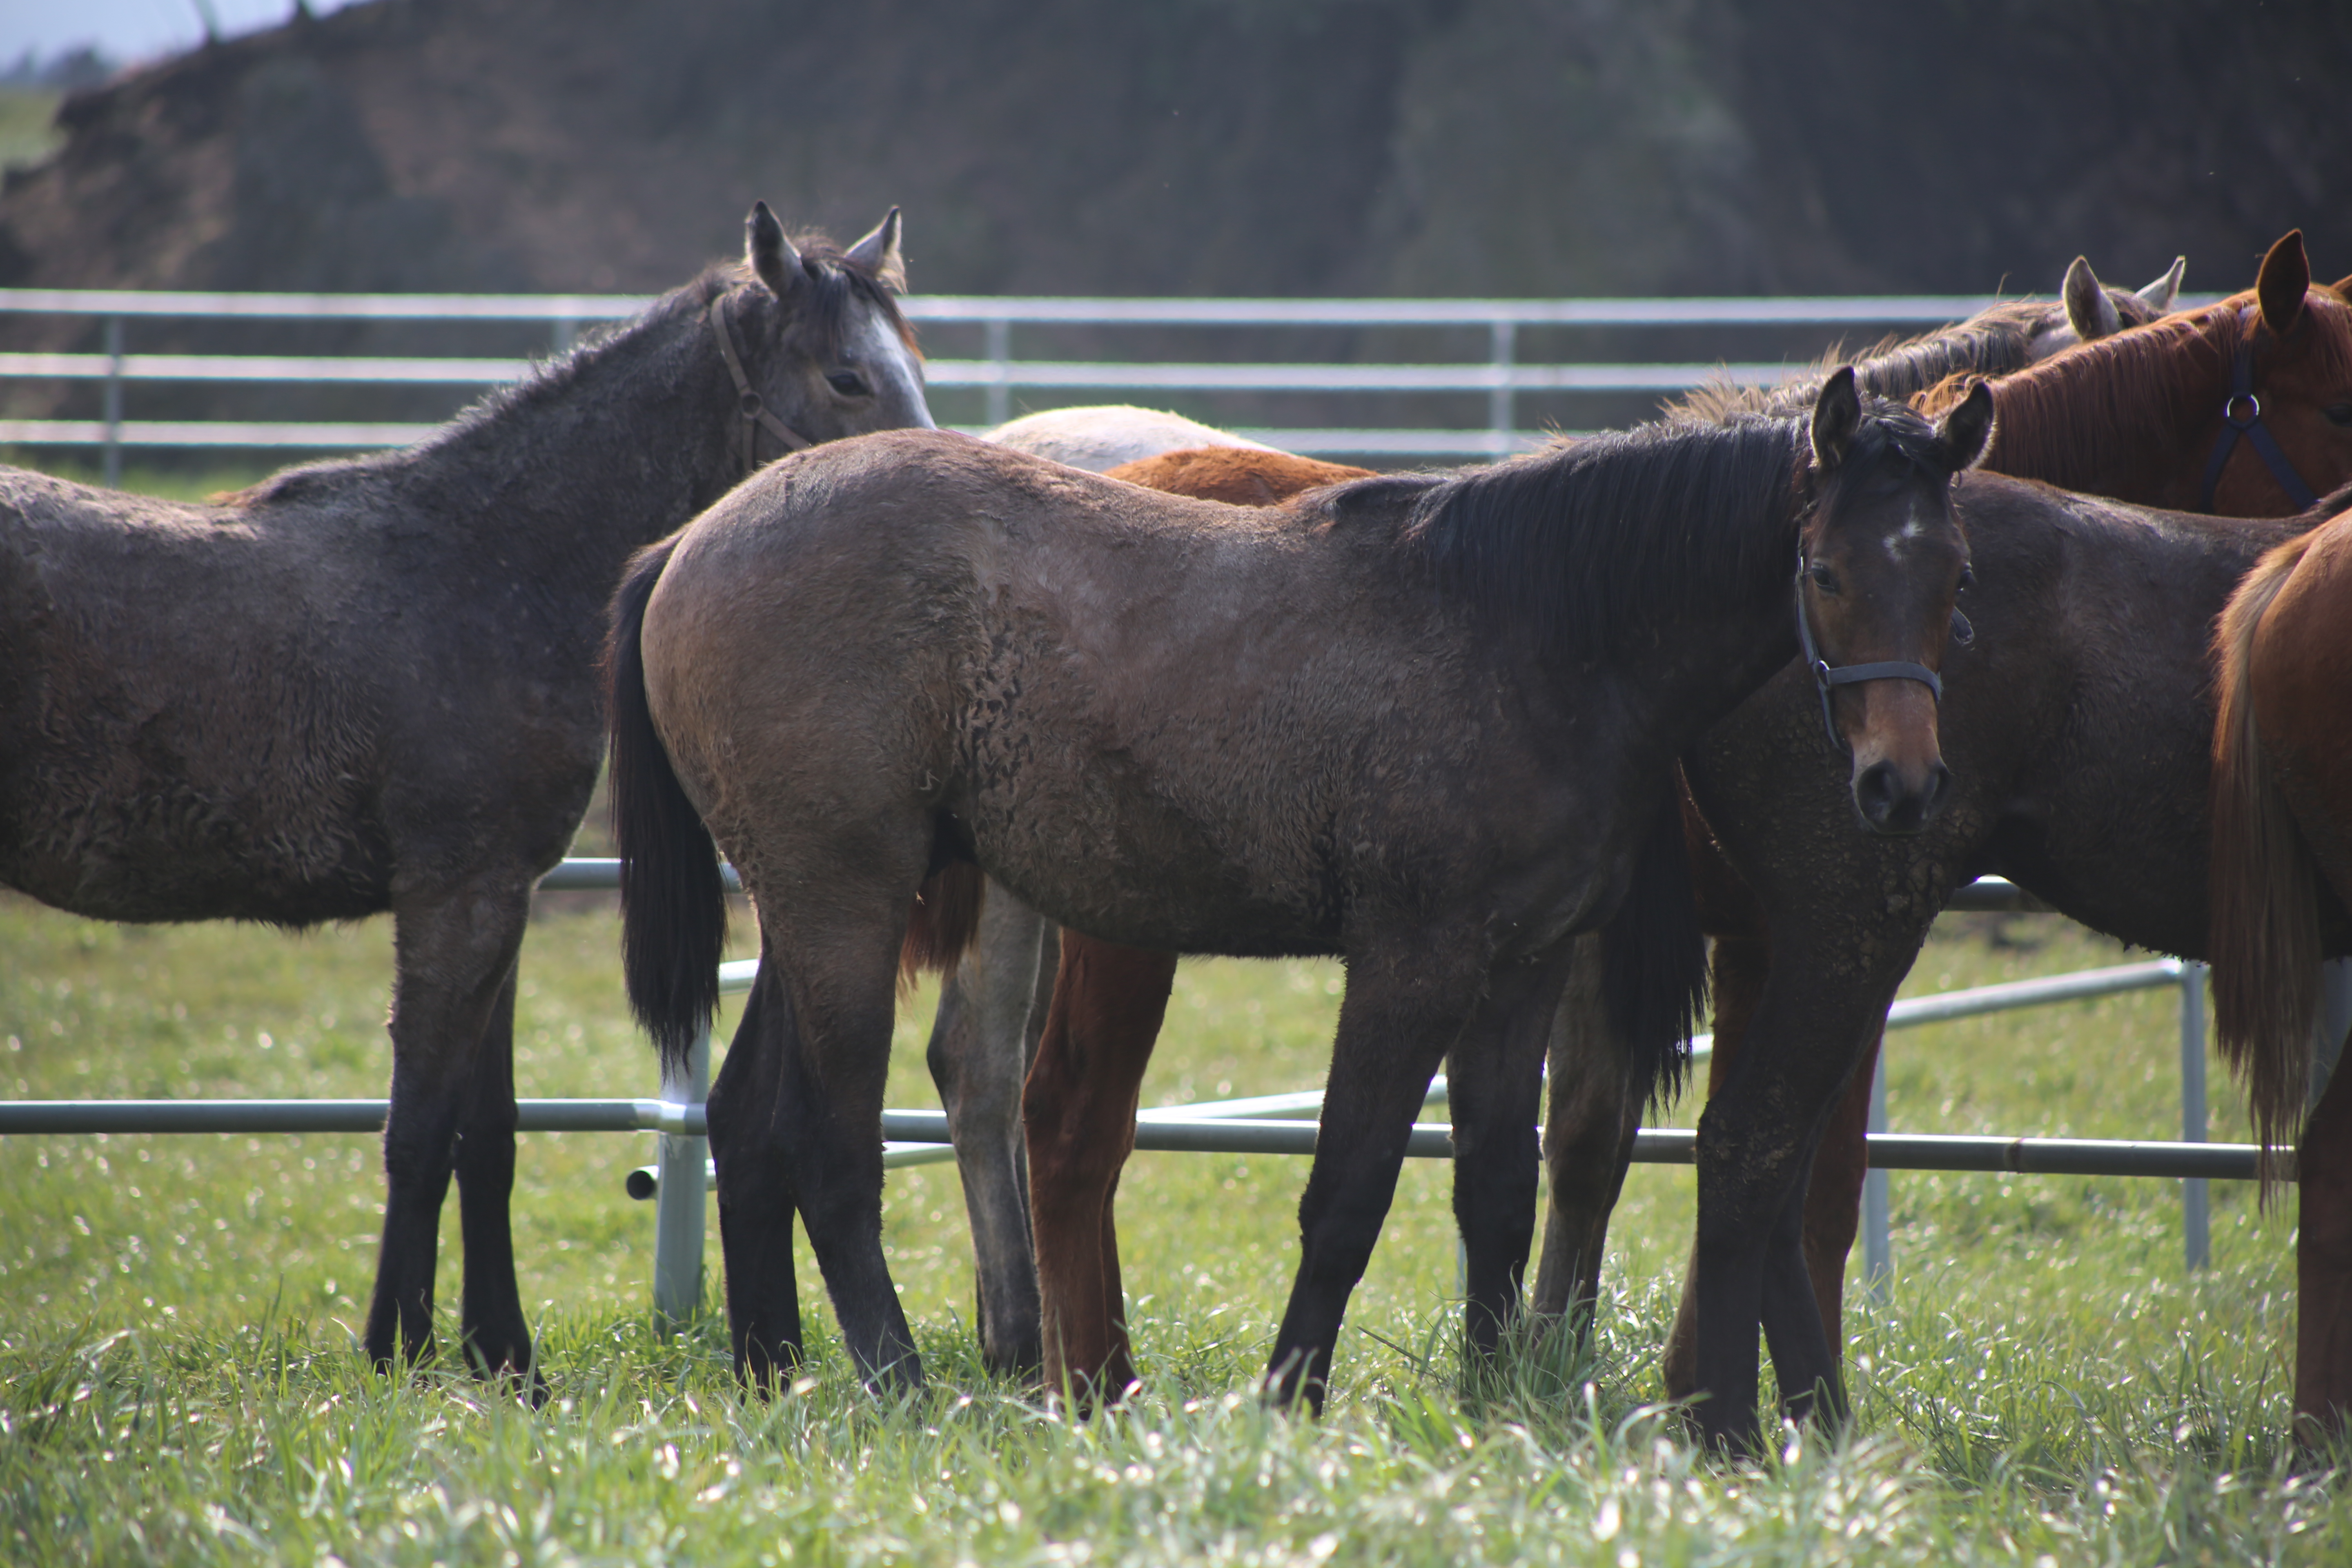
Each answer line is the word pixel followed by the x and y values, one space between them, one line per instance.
pixel 1804 1357
pixel 756 1197
pixel 1080 1108
pixel 497 1341
pixel 453 956
pixel 1756 1145
pixel 1494 1079
pixel 1403 1008
pixel 1833 1195
pixel 1588 1140
pixel 2323 1266
pixel 979 1054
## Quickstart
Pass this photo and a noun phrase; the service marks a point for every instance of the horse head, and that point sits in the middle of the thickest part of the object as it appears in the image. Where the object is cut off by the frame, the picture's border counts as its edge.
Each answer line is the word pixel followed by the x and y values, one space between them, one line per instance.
pixel 2295 407
pixel 815 339
pixel 1880 563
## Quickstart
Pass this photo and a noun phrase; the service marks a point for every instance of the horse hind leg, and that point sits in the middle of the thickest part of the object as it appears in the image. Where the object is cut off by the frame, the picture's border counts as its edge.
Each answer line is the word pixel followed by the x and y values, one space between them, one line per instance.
pixel 455 954
pixel 757 1196
pixel 834 1044
pixel 1080 1108
pixel 980 1045
pixel 497 1340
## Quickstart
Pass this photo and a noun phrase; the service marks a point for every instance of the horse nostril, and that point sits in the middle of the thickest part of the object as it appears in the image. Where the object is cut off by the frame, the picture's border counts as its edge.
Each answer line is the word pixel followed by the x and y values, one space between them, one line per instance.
pixel 1875 792
pixel 1890 806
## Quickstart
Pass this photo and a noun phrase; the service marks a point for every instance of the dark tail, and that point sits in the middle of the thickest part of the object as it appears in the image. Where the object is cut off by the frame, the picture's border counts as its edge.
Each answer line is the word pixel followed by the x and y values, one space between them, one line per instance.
pixel 673 903
pixel 944 923
pixel 1654 956
pixel 2264 935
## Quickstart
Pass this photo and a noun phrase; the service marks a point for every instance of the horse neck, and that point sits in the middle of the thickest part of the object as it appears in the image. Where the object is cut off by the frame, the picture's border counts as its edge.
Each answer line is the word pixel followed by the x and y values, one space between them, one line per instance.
pixel 2119 416
pixel 564 476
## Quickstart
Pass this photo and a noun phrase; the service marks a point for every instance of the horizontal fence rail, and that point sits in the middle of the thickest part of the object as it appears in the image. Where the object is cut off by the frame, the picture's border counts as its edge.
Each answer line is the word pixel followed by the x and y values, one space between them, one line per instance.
pixel 1262 1124
pixel 1500 378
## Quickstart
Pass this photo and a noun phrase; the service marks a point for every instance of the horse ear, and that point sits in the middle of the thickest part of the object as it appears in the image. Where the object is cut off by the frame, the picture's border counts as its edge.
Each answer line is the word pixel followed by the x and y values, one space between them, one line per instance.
pixel 2088 309
pixel 1837 413
pixel 765 246
pixel 877 254
pixel 2344 286
pixel 1966 428
pixel 2159 295
pixel 2285 274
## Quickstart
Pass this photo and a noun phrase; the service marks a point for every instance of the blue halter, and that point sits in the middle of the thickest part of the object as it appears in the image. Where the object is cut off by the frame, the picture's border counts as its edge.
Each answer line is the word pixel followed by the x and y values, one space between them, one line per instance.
pixel 2250 427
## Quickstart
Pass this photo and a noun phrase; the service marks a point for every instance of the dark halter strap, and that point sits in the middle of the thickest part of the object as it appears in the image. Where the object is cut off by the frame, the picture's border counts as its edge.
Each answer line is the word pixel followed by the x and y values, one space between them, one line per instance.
pixel 2241 397
pixel 755 412
pixel 1826 677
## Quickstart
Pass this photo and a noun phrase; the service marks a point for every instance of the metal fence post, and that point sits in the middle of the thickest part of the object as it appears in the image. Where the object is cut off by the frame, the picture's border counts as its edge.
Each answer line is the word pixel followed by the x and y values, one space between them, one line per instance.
pixel 999 370
pixel 113 410
pixel 562 336
pixel 1877 1249
pixel 1501 413
pixel 678 1205
pixel 2194 1213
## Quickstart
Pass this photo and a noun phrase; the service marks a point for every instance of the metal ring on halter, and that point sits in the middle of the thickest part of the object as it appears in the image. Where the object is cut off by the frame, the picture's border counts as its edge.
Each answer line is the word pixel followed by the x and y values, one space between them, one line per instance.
pixel 2251 428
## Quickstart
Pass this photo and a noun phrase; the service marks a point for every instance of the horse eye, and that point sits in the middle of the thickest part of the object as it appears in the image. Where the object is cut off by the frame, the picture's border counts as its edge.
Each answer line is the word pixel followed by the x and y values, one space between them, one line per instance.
pixel 1823 579
pixel 2338 413
pixel 1968 576
pixel 849 383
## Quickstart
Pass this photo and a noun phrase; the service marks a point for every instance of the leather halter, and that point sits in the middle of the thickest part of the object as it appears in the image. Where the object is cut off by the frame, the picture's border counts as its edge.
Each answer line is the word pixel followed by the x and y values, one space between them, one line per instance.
pixel 2242 395
pixel 755 410
pixel 1826 676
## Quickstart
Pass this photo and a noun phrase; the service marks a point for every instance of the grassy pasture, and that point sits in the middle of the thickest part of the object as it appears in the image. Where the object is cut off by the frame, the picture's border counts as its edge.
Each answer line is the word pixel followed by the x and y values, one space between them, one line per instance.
pixel 177 1315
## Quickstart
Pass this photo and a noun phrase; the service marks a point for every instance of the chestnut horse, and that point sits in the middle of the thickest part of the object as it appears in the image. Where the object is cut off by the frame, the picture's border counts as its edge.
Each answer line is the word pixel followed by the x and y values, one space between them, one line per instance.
pixel 370 684
pixel 1426 723
pixel 2141 413
pixel 2282 879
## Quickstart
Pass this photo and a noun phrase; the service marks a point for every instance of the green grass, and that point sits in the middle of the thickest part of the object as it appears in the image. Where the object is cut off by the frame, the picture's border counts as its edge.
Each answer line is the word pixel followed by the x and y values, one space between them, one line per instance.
pixel 177 1381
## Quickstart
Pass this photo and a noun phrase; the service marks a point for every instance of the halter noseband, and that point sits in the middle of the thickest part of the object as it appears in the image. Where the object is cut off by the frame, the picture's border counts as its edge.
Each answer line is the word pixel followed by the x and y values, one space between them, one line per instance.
pixel 2242 395
pixel 1825 677
pixel 755 410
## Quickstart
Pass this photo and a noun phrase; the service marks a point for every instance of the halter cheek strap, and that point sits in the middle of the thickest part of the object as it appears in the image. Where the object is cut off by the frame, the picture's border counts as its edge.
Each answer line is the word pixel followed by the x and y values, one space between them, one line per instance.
pixel 1825 677
pixel 2241 416
pixel 754 410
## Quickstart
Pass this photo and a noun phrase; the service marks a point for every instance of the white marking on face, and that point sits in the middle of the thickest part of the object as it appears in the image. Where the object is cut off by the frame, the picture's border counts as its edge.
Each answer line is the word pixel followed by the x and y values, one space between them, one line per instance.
pixel 1899 543
pixel 888 365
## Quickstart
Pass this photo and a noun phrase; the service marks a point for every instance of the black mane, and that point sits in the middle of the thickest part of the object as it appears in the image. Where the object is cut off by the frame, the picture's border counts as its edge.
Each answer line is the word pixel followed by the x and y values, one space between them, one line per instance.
pixel 1594 543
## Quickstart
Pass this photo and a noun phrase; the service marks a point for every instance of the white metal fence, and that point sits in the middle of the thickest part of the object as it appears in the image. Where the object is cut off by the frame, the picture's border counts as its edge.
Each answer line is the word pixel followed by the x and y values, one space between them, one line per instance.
pixel 1284 1123
pixel 1483 396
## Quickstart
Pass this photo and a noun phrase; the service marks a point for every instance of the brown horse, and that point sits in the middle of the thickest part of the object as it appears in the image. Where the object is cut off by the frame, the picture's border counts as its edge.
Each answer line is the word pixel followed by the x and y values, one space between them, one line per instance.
pixel 2282 884
pixel 1427 723
pixel 369 685
pixel 2152 397
pixel 993 1004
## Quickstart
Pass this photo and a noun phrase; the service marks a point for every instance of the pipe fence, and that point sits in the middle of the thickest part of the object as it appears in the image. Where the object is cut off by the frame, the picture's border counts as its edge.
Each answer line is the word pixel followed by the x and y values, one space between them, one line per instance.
pixel 1285 1123
pixel 1486 390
